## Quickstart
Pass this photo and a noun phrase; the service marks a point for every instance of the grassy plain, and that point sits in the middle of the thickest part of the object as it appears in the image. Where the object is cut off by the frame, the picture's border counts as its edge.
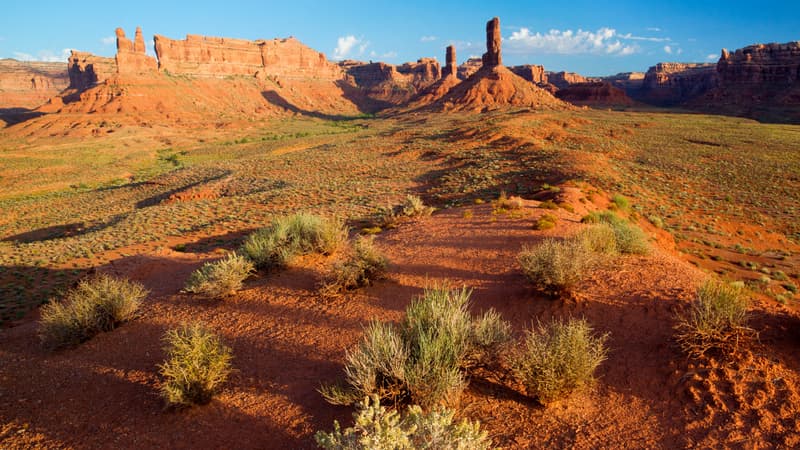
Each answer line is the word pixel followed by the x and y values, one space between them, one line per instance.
pixel 726 189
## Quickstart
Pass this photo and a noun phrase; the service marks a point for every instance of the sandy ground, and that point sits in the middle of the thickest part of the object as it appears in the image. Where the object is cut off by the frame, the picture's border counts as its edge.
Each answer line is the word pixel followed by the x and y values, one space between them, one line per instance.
pixel 286 340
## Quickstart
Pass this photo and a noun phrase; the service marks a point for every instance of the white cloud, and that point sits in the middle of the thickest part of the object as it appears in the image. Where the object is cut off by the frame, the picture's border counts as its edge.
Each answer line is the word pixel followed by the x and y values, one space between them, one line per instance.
pixel 391 54
pixel 643 38
pixel 345 44
pixel 428 38
pixel 712 57
pixel 653 29
pixel 44 56
pixel 604 41
pixel 668 49
pixel 108 40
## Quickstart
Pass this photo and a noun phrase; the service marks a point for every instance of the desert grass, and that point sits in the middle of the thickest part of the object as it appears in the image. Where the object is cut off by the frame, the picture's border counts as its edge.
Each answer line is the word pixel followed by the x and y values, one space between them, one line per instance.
pixel 413 206
pixel 630 238
pixel 197 365
pixel 716 321
pixel 99 303
pixel 558 358
pixel 221 278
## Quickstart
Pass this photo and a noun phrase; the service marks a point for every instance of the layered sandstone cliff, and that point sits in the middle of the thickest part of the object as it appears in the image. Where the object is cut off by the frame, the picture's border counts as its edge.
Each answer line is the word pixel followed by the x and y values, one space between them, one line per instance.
pixel 562 80
pixel 27 85
pixel 530 72
pixel 469 67
pixel 203 56
pixel 385 85
pixel 668 84
pixel 87 70
pixel 597 93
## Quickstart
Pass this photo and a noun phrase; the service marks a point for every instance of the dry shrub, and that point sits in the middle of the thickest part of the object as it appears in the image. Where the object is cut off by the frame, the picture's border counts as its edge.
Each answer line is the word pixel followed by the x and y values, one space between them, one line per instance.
pixel 599 238
pixel 377 428
pixel 505 203
pixel 424 359
pixel 363 265
pixel 555 266
pixel 717 320
pixel 290 236
pixel 99 303
pixel 220 278
pixel 558 358
pixel 413 206
pixel 197 365
pixel 545 222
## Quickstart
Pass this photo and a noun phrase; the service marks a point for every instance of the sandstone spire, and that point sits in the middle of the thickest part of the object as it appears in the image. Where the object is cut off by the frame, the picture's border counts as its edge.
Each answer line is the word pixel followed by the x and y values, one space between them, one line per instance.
pixel 123 43
pixel 450 68
pixel 138 42
pixel 492 57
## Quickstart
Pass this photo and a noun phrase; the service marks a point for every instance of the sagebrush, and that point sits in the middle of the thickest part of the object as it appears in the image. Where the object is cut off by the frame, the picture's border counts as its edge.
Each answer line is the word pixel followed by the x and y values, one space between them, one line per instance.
pixel 558 357
pixel 217 279
pixel 197 365
pixel 363 265
pixel 377 428
pixel 287 237
pixel 423 360
pixel 556 266
pixel 629 237
pixel 717 320
pixel 99 303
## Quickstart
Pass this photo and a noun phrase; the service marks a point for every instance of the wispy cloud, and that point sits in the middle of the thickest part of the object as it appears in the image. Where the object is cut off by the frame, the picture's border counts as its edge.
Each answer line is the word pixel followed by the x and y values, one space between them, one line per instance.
pixel 428 38
pixel 346 44
pixel 108 40
pixel 653 29
pixel 643 38
pixel 668 49
pixel 44 56
pixel 605 41
pixel 712 56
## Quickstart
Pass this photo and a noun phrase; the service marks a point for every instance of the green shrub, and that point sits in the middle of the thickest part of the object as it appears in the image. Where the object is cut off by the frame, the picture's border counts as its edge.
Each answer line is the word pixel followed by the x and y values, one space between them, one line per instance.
pixel 220 278
pixel 717 320
pixel 630 238
pixel 364 265
pixel 620 202
pixel 377 428
pixel 424 358
pixel 555 266
pixel 414 207
pixel 99 303
pixel 198 363
pixel 290 236
pixel 558 358
pixel 548 204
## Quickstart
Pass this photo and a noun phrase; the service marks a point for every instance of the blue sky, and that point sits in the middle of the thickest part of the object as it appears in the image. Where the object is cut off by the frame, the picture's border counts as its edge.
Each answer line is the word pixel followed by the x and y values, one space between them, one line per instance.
pixel 589 37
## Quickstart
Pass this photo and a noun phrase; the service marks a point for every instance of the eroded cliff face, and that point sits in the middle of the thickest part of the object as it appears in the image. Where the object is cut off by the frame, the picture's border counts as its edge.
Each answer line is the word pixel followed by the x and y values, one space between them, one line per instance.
pixel 87 70
pixel 470 66
pixel 132 56
pixel 774 65
pixel 562 80
pixel 203 56
pixel 530 72
pixel 29 84
pixel 384 85
pixel 669 84
pixel 597 93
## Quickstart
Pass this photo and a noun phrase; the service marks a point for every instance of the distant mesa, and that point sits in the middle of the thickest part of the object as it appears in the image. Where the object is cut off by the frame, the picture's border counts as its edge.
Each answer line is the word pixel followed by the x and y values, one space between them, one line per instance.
pixel 198 77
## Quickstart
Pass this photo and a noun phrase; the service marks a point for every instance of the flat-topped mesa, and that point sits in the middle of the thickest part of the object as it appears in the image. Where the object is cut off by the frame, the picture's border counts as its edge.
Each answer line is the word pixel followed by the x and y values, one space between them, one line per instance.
pixel 493 56
pixel 773 65
pixel 450 62
pixel 132 55
pixel 206 56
